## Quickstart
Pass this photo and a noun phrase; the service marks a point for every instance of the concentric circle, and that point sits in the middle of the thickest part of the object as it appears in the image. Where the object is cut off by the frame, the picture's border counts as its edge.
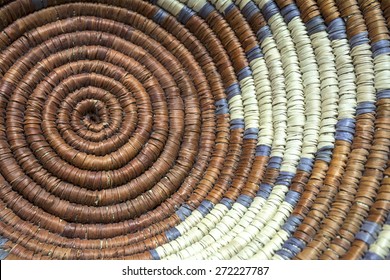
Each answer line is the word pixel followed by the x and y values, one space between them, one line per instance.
pixel 194 129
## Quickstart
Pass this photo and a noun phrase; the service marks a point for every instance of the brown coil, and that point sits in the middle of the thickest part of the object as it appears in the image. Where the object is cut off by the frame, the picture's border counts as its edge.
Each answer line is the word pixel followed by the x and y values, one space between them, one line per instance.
pixel 149 129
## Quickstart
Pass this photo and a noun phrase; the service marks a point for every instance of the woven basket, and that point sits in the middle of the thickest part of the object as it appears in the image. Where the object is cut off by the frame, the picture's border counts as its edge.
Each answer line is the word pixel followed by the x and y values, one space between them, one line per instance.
pixel 194 129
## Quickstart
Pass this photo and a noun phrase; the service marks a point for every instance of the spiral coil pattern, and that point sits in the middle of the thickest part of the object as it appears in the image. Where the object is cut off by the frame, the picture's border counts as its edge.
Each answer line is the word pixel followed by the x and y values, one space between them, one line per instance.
pixel 190 129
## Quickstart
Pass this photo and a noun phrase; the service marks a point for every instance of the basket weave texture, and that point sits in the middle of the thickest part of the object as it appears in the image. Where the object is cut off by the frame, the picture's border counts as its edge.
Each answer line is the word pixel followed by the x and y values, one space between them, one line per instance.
pixel 194 129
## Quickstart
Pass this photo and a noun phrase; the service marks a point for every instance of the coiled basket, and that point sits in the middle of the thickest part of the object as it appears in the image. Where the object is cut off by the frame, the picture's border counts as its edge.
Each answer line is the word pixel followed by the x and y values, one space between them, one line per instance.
pixel 194 129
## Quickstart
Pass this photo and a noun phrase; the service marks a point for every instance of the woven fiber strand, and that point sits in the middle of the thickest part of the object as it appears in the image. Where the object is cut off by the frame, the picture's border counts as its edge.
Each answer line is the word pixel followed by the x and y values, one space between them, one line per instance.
pixel 188 129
